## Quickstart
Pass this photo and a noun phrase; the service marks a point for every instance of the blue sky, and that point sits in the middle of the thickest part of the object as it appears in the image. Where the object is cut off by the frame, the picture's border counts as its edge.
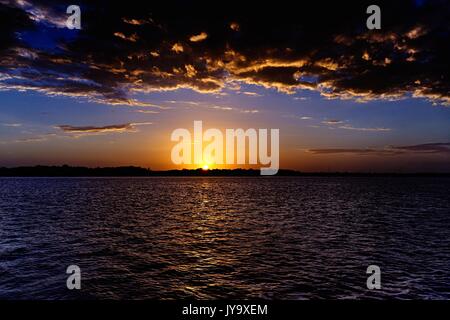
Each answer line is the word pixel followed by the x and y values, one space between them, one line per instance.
pixel 343 97
pixel 303 119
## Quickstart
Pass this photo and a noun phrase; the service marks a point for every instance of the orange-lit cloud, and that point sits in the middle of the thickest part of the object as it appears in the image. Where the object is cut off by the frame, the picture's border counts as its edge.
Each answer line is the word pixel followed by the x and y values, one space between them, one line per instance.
pixel 199 37
pixel 279 49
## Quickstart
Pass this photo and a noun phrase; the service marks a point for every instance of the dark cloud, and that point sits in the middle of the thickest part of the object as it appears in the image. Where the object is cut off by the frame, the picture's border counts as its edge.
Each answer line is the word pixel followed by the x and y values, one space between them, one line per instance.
pixel 344 151
pixel 91 129
pixel 141 46
pixel 428 148
pixel 127 127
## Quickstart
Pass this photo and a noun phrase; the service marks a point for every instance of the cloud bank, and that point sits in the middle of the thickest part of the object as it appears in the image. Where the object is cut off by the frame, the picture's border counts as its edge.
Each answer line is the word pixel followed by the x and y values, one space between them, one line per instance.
pixel 427 148
pixel 141 46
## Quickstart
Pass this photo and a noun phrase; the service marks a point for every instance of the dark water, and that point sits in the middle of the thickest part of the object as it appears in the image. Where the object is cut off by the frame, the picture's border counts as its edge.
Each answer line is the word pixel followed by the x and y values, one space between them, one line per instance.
pixel 273 238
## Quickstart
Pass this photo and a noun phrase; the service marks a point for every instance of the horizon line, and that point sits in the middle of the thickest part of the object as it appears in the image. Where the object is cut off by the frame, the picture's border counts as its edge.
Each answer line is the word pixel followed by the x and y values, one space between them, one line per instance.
pixel 80 171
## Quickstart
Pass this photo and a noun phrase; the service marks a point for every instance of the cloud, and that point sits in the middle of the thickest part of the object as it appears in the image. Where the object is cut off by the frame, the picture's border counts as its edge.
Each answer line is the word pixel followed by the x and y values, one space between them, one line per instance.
pixel 342 125
pixel 115 128
pixel 31 139
pixel 148 47
pixel 199 37
pixel 252 94
pixel 147 111
pixel 39 12
pixel 207 105
pixel 92 129
pixel 428 148
pixel 70 131
pixel 132 38
pixel 348 127
pixel 250 111
pixel 13 125
pixel 332 122
pixel 343 151
pixel 222 108
pixel 294 116
pixel 177 47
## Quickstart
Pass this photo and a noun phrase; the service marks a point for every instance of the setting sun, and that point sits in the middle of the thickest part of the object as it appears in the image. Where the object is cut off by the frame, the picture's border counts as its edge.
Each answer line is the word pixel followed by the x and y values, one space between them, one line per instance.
pixel 205 167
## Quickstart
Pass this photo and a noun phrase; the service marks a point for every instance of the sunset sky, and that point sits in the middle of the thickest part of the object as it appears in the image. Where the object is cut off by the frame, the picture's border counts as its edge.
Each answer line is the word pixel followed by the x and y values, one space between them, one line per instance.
pixel 345 98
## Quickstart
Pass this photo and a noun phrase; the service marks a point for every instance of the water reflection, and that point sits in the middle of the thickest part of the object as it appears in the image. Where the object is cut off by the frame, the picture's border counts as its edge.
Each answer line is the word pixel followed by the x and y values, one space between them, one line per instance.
pixel 286 238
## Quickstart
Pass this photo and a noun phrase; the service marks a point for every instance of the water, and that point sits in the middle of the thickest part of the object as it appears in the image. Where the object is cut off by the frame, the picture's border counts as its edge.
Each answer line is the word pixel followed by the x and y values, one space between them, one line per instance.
pixel 225 237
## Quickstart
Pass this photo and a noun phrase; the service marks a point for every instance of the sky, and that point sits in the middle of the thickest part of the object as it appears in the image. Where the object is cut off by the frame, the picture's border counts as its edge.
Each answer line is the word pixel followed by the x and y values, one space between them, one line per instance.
pixel 345 98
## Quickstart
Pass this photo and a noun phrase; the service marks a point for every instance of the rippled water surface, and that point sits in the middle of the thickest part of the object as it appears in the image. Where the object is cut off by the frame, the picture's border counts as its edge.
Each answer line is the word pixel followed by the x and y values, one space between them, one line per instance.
pixel 209 238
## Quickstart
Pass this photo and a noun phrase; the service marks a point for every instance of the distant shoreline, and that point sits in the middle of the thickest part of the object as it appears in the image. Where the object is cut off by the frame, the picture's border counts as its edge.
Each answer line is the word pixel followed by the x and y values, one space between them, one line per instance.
pixel 131 171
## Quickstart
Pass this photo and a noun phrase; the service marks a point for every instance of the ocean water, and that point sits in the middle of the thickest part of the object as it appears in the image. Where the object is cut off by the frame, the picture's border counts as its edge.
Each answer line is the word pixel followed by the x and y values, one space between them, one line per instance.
pixel 225 237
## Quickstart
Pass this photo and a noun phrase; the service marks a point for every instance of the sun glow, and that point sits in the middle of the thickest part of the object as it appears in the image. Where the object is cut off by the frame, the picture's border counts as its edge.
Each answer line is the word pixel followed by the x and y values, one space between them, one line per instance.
pixel 205 167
